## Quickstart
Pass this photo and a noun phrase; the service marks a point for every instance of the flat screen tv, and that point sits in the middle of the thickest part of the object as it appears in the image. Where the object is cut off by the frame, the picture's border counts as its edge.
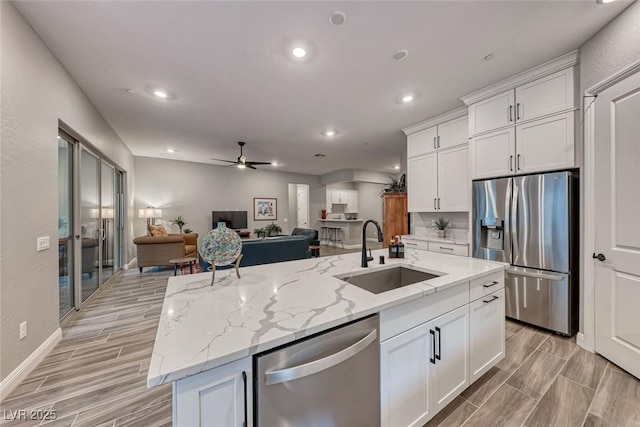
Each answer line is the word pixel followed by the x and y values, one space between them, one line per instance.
pixel 236 220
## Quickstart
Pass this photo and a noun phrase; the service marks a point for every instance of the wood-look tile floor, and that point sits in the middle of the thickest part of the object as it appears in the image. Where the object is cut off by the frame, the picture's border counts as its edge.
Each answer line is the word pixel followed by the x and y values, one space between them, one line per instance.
pixel 96 376
pixel 546 380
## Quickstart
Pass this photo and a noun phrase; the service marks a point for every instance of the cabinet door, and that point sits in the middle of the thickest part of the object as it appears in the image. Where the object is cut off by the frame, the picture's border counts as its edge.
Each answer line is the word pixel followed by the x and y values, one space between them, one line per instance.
pixel 451 374
pixel 486 333
pixel 547 95
pixel 329 201
pixel 422 183
pixel 492 113
pixel 352 202
pixel 454 184
pixel 493 154
pixel 545 144
pixel 218 397
pixel 404 378
pixel 454 132
pixel 422 142
pixel 336 196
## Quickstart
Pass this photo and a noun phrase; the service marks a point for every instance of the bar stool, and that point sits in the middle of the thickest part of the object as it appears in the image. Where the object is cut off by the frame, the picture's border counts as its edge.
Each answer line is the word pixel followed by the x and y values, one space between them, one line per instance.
pixel 324 235
pixel 335 236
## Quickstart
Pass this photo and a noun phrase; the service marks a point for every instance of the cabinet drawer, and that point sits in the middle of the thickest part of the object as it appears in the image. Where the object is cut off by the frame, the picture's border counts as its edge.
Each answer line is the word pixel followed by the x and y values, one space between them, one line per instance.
pixel 405 316
pixel 447 248
pixel 416 244
pixel 485 285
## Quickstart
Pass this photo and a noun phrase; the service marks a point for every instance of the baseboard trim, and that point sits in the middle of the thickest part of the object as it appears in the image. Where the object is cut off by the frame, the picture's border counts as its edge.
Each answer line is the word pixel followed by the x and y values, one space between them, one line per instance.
pixel 132 264
pixel 20 373
pixel 580 340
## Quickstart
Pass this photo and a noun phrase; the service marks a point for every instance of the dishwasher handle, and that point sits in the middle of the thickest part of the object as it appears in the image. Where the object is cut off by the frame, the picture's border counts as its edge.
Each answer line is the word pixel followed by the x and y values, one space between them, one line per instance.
pixel 304 370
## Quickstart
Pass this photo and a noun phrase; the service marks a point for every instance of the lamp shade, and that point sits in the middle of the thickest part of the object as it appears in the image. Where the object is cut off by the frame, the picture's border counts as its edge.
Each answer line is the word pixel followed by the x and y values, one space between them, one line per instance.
pixel 149 213
pixel 107 213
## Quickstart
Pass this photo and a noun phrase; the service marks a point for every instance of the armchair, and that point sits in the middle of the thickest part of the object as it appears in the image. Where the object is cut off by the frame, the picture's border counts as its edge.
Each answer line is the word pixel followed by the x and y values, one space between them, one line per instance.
pixel 157 251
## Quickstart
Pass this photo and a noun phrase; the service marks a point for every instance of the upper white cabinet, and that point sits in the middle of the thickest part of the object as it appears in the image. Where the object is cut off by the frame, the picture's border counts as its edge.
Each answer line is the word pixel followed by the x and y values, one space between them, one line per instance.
pixel 438 164
pixel 491 113
pixel 349 198
pixel 526 123
pixel 541 97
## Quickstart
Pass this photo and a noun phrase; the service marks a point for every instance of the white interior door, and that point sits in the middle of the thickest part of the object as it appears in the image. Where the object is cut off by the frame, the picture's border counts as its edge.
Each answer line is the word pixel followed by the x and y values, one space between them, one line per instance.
pixel 303 206
pixel 617 224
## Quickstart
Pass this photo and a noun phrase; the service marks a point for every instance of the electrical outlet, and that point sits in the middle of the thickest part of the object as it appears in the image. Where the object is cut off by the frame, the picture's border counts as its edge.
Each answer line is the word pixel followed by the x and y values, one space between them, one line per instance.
pixel 42 243
pixel 286 219
pixel 23 329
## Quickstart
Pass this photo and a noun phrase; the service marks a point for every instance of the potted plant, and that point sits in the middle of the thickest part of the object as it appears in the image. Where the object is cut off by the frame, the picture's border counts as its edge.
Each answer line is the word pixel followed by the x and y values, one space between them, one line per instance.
pixel 260 232
pixel 188 230
pixel 441 225
pixel 272 229
pixel 396 184
pixel 179 221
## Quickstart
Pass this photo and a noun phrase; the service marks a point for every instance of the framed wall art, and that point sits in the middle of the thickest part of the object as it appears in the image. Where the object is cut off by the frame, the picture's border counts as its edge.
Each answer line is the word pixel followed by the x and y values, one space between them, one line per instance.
pixel 265 209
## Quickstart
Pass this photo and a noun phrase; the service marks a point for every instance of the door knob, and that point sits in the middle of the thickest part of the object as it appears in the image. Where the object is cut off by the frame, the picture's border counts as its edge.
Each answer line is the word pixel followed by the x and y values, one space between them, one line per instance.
pixel 599 257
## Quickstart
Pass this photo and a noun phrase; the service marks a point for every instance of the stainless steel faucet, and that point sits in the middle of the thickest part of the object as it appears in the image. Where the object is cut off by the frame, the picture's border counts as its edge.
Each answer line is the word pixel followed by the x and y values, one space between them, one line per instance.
pixel 365 259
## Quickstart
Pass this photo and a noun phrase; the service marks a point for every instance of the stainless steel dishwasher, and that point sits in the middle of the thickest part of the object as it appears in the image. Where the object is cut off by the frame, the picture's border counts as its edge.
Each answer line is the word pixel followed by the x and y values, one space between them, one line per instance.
pixel 329 380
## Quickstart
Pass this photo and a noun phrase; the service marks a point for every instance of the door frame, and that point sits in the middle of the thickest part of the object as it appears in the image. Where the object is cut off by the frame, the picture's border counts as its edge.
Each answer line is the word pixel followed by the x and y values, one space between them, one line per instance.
pixel 307 190
pixel 586 336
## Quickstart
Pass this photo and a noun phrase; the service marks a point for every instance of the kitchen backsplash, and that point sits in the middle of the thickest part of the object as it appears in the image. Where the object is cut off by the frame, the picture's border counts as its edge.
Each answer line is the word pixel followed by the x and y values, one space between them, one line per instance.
pixel 458 229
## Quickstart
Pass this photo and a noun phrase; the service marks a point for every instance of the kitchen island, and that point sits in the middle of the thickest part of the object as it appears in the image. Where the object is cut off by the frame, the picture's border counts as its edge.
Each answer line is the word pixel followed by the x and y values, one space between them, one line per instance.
pixel 207 334
pixel 351 231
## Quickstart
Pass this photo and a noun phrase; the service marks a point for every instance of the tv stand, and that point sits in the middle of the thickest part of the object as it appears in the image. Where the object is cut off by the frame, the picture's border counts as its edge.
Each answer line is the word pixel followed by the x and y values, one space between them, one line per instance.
pixel 244 234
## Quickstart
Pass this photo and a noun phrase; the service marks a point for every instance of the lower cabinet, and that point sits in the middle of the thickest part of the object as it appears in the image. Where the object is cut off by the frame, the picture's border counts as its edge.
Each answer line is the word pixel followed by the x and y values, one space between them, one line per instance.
pixel 486 333
pixel 424 368
pixel 219 397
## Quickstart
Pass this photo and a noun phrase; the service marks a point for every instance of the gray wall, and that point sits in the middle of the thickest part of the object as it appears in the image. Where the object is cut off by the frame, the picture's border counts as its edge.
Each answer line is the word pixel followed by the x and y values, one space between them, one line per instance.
pixel 193 190
pixel 36 93
pixel 370 204
pixel 612 49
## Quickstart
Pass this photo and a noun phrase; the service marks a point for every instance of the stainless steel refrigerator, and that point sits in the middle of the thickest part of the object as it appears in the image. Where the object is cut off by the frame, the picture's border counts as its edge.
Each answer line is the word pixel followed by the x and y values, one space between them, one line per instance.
pixel 531 222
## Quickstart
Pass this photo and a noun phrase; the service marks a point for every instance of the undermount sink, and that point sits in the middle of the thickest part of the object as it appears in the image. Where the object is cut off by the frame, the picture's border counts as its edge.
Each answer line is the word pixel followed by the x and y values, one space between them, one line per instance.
pixel 387 279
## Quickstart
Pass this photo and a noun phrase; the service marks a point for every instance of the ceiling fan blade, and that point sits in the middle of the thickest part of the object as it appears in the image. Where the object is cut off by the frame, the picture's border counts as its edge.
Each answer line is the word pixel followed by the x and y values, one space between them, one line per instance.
pixel 249 166
pixel 220 160
pixel 258 163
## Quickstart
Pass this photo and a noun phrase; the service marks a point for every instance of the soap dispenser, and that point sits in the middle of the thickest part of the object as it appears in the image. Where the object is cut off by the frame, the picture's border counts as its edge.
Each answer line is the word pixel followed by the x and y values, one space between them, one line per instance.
pixel 400 248
pixel 393 248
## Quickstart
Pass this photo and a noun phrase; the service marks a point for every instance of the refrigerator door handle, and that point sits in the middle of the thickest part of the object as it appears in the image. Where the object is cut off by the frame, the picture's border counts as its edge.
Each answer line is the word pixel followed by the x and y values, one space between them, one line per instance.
pixel 507 222
pixel 514 221
pixel 536 275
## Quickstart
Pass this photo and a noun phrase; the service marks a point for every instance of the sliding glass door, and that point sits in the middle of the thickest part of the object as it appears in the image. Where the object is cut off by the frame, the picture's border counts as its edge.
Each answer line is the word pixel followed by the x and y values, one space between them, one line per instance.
pixel 107 212
pixel 91 233
pixel 65 225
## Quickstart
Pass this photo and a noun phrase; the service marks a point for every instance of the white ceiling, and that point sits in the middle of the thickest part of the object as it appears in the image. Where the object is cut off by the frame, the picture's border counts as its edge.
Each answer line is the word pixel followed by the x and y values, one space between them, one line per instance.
pixel 229 66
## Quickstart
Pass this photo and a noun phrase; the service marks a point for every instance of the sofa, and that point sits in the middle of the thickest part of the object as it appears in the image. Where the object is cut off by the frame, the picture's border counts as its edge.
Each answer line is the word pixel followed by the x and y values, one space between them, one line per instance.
pixel 157 251
pixel 310 234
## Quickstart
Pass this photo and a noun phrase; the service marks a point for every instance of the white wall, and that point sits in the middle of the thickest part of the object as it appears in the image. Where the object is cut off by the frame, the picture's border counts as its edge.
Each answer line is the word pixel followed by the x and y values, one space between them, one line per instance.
pixel 37 93
pixel 193 190
pixel 612 49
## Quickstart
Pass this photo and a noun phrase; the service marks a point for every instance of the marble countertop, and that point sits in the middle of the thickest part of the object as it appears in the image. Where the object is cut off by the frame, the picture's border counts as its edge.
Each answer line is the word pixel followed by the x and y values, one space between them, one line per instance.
pixel 202 326
pixel 340 220
pixel 436 239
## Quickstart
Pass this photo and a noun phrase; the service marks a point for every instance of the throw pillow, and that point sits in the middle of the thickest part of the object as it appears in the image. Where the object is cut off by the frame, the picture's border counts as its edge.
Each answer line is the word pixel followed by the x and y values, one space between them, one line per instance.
pixel 157 231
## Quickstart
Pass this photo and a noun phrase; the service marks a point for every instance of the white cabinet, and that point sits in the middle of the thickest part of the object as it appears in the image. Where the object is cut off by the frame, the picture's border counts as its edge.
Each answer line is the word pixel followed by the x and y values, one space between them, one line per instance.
pixel 422 183
pixel 493 154
pixel 535 146
pixel 453 133
pixel 450 369
pixel 439 181
pixel 492 113
pixel 219 397
pixel 424 368
pixel 486 332
pixel 449 248
pixel 547 95
pixel 545 144
pixel 454 183
pixel 404 378
pixel 349 198
pixel 422 142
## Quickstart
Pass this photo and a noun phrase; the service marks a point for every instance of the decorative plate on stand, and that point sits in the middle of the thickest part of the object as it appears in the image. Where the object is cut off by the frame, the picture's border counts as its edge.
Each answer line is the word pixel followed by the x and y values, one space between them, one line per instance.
pixel 221 246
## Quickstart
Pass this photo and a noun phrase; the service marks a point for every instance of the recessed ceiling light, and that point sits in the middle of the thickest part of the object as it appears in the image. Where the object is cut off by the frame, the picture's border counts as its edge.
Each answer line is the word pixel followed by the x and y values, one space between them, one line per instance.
pixel 489 57
pixel 396 167
pixel 319 155
pixel 160 93
pixel 400 55
pixel 337 18
pixel 299 52
pixel 407 98
pixel 329 132
pixel 274 163
pixel 170 150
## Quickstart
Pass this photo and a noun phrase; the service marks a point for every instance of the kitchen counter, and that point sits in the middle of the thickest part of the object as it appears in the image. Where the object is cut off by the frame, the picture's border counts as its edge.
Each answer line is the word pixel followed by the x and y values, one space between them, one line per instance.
pixel 436 239
pixel 341 220
pixel 202 327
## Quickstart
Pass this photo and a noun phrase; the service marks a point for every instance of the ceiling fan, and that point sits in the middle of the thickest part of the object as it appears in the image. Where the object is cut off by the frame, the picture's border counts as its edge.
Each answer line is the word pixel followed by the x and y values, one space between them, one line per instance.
pixel 242 162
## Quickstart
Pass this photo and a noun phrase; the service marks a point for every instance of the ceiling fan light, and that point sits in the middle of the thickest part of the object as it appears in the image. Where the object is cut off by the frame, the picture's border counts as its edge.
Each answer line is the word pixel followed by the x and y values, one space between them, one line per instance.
pixel 241 166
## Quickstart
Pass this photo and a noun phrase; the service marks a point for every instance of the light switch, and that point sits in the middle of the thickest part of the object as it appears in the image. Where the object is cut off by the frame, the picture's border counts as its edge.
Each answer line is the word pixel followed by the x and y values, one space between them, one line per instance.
pixel 43 243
